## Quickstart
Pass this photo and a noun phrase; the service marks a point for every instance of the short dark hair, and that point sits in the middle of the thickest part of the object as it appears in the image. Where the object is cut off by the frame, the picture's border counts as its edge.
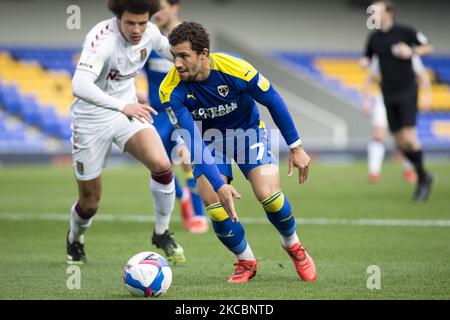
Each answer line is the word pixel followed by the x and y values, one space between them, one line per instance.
pixel 118 7
pixel 389 5
pixel 193 32
pixel 173 2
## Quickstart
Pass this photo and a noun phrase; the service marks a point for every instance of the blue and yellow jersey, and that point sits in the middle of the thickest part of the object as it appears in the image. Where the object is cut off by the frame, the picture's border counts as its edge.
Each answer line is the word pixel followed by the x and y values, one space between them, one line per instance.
pixel 225 100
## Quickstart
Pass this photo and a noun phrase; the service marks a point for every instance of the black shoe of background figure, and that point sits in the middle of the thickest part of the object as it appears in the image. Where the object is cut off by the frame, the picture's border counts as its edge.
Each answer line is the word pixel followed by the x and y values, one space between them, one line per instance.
pixel 423 189
pixel 75 252
pixel 173 251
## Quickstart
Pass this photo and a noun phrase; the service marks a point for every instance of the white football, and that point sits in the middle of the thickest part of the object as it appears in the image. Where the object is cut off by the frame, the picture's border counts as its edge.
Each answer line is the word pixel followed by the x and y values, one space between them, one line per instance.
pixel 147 274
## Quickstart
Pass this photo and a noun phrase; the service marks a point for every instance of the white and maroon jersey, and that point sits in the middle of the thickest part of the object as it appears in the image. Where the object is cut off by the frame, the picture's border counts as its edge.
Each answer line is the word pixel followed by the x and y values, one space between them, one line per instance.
pixel 116 62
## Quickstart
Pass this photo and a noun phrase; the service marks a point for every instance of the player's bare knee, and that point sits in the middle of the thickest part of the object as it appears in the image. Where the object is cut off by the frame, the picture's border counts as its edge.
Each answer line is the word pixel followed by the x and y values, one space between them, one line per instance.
pixel 92 209
pixel 267 192
pixel 209 198
pixel 161 164
pixel 161 167
pixel 90 205
pixel 206 192
pixel 400 142
pixel 379 137
pixel 378 134
pixel 410 146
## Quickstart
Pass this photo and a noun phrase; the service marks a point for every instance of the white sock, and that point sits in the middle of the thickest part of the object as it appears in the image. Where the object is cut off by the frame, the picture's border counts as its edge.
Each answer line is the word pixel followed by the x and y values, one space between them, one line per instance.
pixel 375 156
pixel 185 195
pixel 247 254
pixel 163 203
pixel 78 226
pixel 407 166
pixel 290 241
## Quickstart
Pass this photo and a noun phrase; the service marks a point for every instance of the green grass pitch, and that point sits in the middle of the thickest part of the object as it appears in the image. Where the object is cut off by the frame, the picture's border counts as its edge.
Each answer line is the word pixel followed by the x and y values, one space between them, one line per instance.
pixel 414 260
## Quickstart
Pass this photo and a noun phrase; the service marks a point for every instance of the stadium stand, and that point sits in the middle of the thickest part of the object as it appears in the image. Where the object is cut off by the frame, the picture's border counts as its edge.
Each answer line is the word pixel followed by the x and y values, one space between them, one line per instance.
pixel 14 136
pixel 35 87
pixel 340 73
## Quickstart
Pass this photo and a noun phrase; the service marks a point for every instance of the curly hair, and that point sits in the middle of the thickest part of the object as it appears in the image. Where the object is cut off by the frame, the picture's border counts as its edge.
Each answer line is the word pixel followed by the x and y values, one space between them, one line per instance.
pixel 193 32
pixel 118 7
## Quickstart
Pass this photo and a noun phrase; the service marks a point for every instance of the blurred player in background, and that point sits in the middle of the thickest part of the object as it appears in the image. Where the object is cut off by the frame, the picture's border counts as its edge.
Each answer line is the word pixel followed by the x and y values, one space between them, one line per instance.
pixel 219 90
pixel 192 209
pixel 395 45
pixel 105 111
pixel 375 108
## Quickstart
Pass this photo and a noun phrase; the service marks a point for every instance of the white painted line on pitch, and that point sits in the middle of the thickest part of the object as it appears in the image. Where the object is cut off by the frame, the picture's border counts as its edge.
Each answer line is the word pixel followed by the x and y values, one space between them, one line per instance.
pixel 261 220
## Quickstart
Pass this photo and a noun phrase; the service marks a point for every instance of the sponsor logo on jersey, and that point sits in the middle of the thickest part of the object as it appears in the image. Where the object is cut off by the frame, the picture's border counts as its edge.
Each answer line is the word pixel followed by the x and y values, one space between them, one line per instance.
pixel 226 235
pixel 86 65
pixel 114 74
pixel 143 54
pixel 223 90
pixel 214 112
pixel 172 117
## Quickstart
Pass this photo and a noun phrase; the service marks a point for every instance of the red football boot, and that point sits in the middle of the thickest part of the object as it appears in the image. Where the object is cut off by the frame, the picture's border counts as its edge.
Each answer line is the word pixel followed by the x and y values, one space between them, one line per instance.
pixel 410 176
pixel 373 178
pixel 306 269
pixel 187 209
pixel 244 271
pixel 199 225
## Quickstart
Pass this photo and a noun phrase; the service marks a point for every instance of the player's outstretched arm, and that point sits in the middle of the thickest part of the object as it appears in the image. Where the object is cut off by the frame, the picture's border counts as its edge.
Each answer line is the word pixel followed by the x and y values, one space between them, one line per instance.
pixel 201 156
pixel 298 158
pixel 263 92
pixel 84 87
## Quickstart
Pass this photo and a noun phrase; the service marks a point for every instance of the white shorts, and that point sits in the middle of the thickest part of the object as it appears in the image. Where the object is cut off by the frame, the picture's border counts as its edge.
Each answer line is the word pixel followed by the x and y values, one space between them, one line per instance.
pixel 379 117
pixel 91 147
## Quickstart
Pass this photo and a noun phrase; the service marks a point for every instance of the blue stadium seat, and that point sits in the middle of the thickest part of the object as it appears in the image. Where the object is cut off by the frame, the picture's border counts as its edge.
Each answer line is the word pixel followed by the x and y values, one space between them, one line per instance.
pixel 30 111
pixel 65 131
pixel 11 99
pixel 49 121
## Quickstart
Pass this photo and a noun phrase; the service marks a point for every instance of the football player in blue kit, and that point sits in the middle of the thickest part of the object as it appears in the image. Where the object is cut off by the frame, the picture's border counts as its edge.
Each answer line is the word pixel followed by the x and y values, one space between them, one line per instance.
pixel 156 68
pixel 219 90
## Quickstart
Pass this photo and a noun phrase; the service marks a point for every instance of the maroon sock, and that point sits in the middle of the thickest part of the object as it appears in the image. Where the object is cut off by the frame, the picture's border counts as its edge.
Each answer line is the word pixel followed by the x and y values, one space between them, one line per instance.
pixel 165 177
pixel 81 213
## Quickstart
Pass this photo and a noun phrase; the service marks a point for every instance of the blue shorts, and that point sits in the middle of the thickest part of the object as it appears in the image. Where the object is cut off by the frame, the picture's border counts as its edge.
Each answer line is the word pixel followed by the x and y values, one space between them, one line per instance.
pixel 249 149
pixel 169 136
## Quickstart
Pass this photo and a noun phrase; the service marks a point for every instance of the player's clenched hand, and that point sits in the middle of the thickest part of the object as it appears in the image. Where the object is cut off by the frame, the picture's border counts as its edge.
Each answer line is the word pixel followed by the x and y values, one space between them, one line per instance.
pixel 139 111
pixel 402 50
pixel 299 159
pixel 227 194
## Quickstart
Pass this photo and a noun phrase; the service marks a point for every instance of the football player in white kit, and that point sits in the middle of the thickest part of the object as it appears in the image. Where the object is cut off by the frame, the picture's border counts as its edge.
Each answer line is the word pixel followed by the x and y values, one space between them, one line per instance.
pixel 377 111
pixel 106 111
